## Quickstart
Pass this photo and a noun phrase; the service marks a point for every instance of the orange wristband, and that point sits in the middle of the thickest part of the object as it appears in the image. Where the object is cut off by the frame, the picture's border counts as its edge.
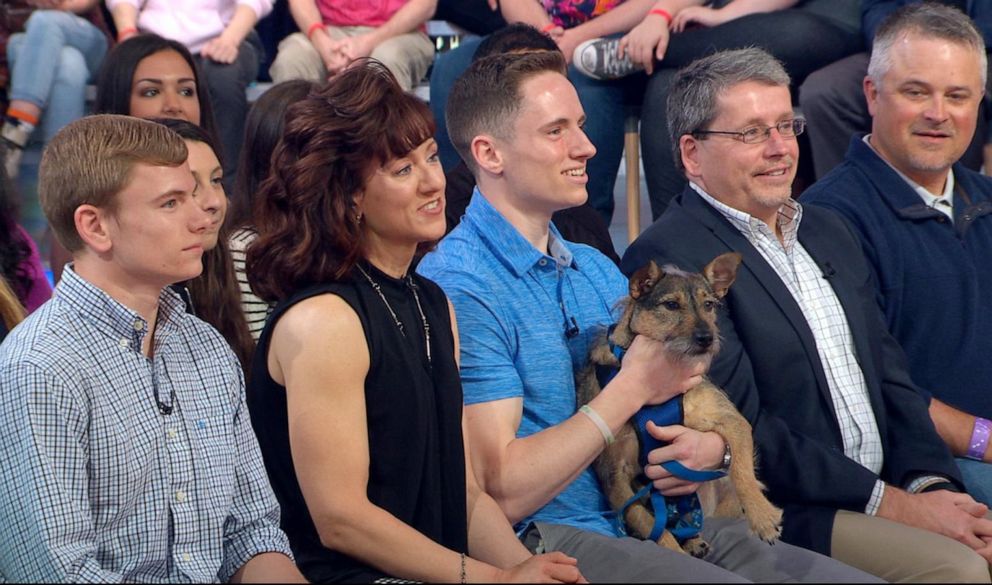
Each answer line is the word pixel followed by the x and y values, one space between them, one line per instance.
pixel 313 28
pixel 124 32
pixel 662 13
pixel 548 28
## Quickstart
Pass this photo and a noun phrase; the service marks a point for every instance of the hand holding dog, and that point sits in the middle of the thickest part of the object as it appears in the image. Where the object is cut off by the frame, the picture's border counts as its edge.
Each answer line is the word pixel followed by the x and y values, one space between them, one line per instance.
pixel 553 567
pixel 692 448
pixel 650 368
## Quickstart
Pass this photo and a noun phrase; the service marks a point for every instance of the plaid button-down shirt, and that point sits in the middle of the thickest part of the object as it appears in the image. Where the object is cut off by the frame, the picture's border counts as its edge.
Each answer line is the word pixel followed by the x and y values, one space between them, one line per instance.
pixel 97 483
pixel 827 321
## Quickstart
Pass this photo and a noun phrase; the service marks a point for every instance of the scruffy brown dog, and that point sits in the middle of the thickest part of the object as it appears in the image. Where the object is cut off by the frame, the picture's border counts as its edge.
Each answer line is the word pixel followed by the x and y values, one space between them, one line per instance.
pixel 679 309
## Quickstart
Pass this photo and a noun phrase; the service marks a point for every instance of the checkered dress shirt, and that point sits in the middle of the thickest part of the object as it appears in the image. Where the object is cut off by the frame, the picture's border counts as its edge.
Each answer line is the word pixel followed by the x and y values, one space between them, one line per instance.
pixel 826 319
pixel 97 484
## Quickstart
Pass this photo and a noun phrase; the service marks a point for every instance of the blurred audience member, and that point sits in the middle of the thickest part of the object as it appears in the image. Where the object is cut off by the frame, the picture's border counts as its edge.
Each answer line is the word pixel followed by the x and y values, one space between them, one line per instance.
pixel 263 129
pixel 336 32
pixel 479 17
pixel 220 34
pixel 20 264
pixel 51 61
pixel 803 34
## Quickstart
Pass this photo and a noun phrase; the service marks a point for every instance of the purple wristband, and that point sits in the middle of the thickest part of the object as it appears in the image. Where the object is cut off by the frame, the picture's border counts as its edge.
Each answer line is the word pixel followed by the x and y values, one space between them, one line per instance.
pixel 979 439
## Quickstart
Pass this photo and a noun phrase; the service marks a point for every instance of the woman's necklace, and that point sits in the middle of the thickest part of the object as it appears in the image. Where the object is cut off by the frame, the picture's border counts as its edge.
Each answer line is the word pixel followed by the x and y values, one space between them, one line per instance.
pixel 399 324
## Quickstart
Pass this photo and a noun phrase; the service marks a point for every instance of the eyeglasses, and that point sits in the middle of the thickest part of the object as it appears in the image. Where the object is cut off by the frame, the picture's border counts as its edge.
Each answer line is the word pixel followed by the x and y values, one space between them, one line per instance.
pixel 758 134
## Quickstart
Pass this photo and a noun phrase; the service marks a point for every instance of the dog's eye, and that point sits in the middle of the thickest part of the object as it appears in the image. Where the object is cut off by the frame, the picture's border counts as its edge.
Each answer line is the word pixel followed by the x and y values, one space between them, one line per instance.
pixel 671 305
pixel 709 305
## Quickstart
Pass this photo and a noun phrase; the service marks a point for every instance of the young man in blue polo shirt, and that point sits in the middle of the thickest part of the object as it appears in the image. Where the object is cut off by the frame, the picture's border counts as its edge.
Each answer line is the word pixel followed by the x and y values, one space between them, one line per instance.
pixel 528 306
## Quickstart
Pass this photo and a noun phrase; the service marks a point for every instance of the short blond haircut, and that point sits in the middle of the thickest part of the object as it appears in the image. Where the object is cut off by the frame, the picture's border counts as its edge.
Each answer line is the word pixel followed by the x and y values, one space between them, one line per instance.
pixel 90 161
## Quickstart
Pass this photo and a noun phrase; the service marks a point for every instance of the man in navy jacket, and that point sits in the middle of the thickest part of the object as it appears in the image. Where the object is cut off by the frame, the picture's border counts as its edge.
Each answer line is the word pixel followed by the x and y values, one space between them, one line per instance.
pixel 832 100
pixel 844 439
pixel 925 221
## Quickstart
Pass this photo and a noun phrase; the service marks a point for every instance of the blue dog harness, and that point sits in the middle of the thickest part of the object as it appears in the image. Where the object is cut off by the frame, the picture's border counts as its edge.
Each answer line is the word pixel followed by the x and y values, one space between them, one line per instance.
pixel 683 514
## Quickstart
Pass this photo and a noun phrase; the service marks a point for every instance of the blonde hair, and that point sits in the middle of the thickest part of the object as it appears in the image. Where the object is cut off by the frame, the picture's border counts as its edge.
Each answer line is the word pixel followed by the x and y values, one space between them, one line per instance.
pixel 11 311
pixel 90 161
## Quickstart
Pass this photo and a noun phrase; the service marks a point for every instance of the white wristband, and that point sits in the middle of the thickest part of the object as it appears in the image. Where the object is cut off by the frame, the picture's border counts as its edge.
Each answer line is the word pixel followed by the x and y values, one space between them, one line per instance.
pixel 599 422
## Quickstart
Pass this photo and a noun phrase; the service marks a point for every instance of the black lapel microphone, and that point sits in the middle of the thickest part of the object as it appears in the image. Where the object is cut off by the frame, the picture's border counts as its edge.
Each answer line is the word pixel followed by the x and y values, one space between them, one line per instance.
pixel 828 271
pixel 573 330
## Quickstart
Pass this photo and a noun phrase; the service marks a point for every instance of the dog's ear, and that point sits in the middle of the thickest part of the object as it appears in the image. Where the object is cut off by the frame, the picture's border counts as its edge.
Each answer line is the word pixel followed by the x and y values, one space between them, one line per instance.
pixel 644 280
pixel 722 271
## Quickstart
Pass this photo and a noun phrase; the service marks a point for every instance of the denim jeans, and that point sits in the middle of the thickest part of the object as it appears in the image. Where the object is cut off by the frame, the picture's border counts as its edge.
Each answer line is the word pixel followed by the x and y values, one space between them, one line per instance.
pixel 51 61
pixel 227 83
pixel 605 104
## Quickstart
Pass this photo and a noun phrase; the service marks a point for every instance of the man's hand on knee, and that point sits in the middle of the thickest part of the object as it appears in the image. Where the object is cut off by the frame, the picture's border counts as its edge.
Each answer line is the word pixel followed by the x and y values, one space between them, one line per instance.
pixel 954 515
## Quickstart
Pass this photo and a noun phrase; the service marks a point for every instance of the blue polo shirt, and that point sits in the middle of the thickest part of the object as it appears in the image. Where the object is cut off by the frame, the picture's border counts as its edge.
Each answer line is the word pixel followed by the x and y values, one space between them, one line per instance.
pixel 514 305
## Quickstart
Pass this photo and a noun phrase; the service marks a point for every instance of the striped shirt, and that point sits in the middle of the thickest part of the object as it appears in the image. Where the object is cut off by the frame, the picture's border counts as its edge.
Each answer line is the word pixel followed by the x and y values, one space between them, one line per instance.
pixel 98 484
pixel 827 321
pixel 256 310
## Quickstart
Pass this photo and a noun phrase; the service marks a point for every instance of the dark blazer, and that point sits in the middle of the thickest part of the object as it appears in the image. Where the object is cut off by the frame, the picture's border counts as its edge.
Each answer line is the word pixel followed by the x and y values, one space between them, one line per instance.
pixel 770 368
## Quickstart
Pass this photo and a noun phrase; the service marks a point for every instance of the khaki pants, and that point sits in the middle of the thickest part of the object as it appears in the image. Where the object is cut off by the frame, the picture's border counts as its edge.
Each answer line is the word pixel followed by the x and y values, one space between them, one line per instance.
pixel 407 56
pixel 903 554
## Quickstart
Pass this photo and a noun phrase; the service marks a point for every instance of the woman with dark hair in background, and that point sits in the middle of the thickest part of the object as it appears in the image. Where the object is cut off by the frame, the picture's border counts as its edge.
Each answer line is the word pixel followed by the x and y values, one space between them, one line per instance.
pixel 355 395
pixel 214 293
pixel 263 128
pixel 148 76
pixel 20 264
pixel 221 37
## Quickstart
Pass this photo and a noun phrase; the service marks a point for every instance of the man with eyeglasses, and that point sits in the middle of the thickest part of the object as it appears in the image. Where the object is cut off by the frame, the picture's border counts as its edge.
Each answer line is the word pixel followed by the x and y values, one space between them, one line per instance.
pixel 845 444
pixel 528 305
pixel 925 220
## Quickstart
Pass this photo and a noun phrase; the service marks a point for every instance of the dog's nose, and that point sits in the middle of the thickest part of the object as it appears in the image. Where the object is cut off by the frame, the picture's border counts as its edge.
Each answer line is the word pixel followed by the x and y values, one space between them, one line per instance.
pixel 703 338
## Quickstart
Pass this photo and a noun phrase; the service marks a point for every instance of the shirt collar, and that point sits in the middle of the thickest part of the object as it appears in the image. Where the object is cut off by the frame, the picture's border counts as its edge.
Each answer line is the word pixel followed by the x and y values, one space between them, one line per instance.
pixel 943 202
pixel 507 244
pixel 789 217
pixel 112 318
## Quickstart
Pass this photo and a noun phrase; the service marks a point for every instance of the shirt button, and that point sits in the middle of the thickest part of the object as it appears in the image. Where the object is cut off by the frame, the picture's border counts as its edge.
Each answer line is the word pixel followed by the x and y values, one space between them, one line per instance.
pixel 542 262
pixel 180 496
pixel 138 325
pixel 171 433
pixel 124 343
pixel 186 557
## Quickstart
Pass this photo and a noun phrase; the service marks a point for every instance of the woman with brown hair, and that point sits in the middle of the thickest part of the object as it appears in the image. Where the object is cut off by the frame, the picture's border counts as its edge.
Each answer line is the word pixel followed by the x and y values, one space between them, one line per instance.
pixel 355 394
pixel 214 294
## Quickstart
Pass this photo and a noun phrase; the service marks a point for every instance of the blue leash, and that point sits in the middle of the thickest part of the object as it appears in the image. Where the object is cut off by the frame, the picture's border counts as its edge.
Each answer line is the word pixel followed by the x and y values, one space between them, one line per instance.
pixel 684 515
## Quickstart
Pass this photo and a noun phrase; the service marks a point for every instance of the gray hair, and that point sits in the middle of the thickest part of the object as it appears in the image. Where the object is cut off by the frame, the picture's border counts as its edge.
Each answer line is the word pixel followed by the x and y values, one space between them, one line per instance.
pixel 929 20
pixel 692 99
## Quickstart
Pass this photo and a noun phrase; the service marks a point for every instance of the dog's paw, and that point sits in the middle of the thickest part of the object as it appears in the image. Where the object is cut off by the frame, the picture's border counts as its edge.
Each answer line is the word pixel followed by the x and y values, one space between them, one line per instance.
pixel 696 547
pixel 767 523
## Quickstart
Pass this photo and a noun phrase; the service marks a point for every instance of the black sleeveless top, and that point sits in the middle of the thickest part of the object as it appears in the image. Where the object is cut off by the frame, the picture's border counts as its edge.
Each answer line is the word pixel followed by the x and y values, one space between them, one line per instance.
pixel 413 410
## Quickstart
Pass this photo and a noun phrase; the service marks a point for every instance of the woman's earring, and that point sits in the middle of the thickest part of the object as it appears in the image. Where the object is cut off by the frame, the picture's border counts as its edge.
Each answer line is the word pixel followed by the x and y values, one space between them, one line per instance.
pixel 358 217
